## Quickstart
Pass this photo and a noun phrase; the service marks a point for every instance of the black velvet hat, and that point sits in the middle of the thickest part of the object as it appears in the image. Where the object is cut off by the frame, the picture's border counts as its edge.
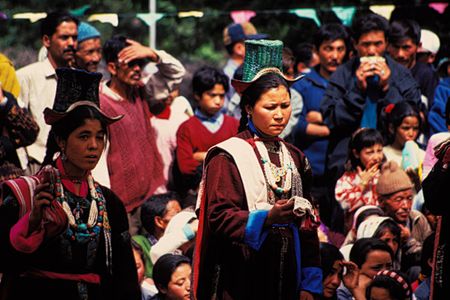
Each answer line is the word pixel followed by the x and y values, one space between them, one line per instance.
pixel 75 88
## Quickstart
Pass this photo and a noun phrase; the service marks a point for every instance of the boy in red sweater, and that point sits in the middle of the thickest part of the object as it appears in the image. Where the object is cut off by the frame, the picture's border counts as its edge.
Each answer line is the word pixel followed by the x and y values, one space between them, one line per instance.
pixel 209 126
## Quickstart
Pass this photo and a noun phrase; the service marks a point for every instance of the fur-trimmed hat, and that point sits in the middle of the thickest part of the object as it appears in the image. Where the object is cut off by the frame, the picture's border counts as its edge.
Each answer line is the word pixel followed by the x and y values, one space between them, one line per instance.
pixel 392 179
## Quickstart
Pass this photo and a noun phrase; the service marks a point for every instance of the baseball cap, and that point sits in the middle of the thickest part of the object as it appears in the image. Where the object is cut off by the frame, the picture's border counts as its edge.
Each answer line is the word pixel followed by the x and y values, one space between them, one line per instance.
pixel 241 31
pixel 430 42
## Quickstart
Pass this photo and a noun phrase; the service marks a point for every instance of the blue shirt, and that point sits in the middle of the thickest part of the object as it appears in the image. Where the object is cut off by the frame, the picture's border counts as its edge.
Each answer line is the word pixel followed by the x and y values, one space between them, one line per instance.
pixel 213 123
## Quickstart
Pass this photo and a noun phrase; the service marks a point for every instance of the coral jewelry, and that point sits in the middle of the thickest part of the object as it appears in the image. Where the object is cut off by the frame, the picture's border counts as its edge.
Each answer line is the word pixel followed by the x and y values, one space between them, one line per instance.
pixel 278 178
pixel 79 231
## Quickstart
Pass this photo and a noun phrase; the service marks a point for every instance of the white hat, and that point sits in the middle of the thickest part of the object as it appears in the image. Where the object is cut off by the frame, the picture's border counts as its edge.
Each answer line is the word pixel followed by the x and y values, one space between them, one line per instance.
pixel 430 41
pixel 368 228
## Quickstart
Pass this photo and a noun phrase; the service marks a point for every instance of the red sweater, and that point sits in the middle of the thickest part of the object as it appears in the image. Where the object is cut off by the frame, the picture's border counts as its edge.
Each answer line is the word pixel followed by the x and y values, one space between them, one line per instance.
pixel 134 163
pixel 193 137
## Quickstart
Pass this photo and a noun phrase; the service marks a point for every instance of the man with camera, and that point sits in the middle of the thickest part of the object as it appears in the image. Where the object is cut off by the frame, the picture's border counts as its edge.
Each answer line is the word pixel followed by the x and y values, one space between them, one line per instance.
pixel 360 89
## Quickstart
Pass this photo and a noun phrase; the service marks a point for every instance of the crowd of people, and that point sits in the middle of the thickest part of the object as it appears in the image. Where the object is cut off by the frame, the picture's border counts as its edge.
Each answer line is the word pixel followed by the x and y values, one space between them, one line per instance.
pixel 290 174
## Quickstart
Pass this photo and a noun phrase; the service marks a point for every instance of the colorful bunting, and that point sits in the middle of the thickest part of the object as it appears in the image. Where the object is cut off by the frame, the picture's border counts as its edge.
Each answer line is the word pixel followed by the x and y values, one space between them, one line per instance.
pixel 345 14
pixel 33 17
pixel 309 13
pixel 438 6
pixel 81 11
pixel 193 13
pixel 105 18
pixel 383 10
pixel 241 16
pixel 150 18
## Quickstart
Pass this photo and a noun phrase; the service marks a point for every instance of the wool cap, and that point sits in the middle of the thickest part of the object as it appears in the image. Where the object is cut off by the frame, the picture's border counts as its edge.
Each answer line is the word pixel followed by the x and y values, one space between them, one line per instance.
pixel 392 179
pixel 86 32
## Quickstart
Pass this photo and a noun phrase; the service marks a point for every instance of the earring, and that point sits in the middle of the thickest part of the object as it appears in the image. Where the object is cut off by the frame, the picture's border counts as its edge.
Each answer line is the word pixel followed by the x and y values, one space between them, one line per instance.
pixel 63 155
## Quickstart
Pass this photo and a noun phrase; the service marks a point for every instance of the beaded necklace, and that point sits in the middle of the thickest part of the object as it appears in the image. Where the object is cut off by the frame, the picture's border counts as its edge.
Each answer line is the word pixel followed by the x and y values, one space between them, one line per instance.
pixel 279 179
pixel 78 230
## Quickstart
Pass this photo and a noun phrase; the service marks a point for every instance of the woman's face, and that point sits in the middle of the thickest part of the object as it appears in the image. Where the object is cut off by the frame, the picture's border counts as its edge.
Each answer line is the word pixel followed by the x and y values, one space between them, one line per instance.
pixel 272 111
pixel 179 287
pixel 83 147
pixel 407 131
pixel 376 261
pixel 333 280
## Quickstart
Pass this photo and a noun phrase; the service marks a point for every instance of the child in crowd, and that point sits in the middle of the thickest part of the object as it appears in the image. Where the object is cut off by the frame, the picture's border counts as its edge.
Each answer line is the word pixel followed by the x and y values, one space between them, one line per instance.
pixel 371 255
pixel 403 125
pixel 361 214
pixel 333 263
pixel 389 284
pixel 172 277
pixel 357 186
pixel 155 215
pixel 385 229
pixel 209 126
pixel 148 288
pixel 422 285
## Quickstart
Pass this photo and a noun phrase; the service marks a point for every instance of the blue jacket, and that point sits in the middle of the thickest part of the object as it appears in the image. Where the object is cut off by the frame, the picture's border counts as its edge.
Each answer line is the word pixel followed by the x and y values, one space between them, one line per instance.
pixel 312 88
pixel 343 106
pixel 436 116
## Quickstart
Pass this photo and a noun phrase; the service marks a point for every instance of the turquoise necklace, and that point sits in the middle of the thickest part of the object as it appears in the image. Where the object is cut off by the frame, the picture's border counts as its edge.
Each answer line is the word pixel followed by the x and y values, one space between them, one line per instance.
pixel 78 230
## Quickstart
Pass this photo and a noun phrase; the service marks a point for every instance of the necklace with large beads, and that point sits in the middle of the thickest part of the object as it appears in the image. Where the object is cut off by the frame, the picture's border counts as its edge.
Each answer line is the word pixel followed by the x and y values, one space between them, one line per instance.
pixel 273 174
pixel 78 230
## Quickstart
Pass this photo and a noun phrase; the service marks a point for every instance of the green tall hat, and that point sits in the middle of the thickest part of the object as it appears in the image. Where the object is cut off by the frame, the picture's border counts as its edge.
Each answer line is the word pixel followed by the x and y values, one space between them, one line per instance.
pixel 261 57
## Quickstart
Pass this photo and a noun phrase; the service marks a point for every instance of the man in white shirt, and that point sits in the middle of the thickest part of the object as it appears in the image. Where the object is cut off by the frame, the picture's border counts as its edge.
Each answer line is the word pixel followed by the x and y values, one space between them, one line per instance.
pixel 59 32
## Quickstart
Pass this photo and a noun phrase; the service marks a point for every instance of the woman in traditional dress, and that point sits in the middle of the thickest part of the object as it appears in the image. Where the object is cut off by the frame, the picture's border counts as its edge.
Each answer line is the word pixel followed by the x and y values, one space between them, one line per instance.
pixel 250 242
pixel 62 235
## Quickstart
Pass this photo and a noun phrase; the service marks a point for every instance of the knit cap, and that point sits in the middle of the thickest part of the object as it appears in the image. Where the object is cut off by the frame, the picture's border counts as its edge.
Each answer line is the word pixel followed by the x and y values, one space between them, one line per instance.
pixel 392 179
pixel 86 32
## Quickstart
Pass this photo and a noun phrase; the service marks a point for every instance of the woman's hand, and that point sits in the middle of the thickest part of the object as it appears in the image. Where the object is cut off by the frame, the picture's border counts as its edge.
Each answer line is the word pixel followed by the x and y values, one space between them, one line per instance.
pixel 281 213
pixel 351 277
pixel 359 293
pixel 42 198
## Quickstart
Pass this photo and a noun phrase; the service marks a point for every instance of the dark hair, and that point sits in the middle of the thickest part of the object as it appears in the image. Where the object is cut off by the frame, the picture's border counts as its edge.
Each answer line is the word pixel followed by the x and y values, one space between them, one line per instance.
pixel 367 23
pixel 328 255
pixel 64 127
pixel 395 288
pixel 113 46
pixel 362 247
pixel 251 94
pixel 303 53
pixel 155 206
pixel 392 226
pixel 427 253
pixel 164 268
pixel 404 29
pixel 288 59
pixel 331 32
pixel 395 117
pixel 362 138
pixel 53 20
pixel 206 77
